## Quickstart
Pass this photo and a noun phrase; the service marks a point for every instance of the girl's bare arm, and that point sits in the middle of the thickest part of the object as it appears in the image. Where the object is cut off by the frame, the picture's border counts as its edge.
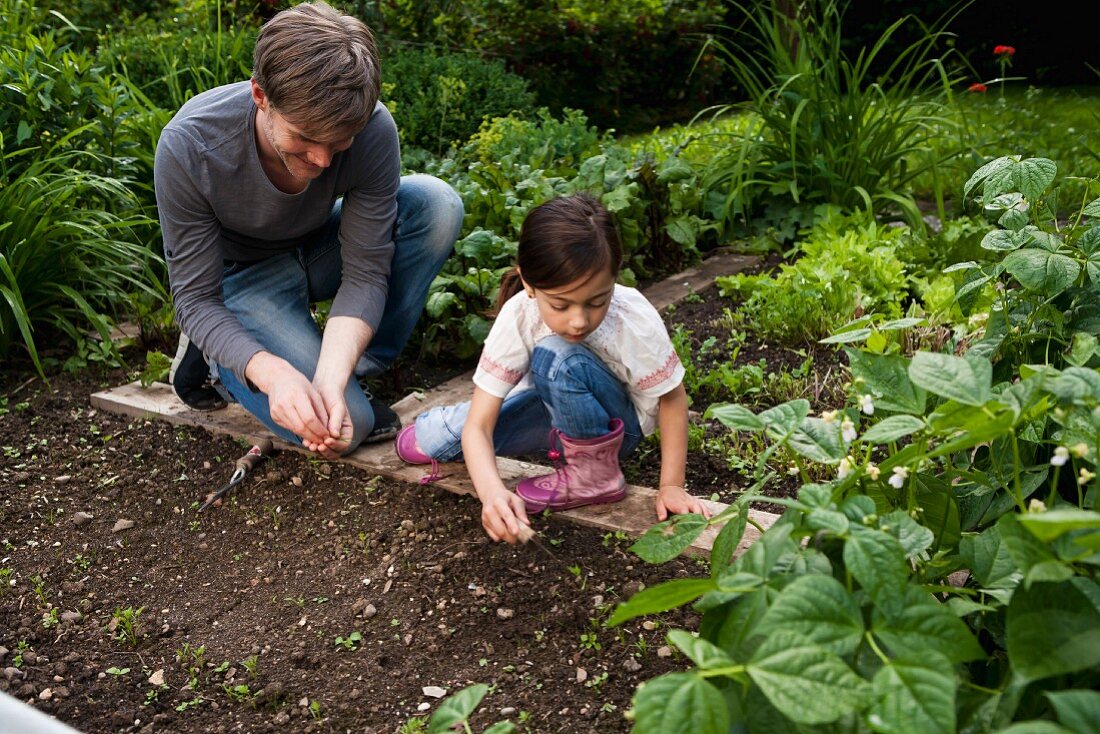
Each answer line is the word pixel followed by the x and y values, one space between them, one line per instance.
pixel 502 511
pixel 672 419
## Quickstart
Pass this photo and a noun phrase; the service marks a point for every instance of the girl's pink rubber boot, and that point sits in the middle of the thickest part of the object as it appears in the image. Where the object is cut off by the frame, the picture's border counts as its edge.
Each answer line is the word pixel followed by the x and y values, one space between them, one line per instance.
pixel 407 451
pixel 587 473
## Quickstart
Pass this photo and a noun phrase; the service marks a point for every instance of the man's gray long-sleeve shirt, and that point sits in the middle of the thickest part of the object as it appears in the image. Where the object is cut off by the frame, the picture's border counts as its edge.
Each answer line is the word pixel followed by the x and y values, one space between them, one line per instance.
pixel 216 204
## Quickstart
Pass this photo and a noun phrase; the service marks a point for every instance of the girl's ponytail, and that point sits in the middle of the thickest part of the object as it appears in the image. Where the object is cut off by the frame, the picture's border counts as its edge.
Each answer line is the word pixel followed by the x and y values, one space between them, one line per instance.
pixel 510 285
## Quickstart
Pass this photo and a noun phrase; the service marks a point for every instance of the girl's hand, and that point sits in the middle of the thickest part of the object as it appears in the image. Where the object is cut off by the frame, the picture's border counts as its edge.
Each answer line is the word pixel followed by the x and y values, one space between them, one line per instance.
pixel 674 500
pixel 502 514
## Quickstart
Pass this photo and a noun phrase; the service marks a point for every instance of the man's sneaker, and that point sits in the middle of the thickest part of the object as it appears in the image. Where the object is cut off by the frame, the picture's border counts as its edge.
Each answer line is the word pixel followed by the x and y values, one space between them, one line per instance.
pixel 386 422
pixel 189 376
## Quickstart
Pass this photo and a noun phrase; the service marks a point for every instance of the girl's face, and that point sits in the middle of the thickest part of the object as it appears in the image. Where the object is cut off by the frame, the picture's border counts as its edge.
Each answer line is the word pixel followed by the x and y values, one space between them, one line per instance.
pixel 575 310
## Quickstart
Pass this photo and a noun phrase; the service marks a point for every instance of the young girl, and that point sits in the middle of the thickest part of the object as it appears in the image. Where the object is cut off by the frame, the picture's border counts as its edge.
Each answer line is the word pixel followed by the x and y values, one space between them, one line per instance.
pixel 574 365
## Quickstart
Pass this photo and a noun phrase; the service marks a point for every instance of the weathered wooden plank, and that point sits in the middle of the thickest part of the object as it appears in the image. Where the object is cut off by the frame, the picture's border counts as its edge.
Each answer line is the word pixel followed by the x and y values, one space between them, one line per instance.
pixel 632 516
pixel 674 288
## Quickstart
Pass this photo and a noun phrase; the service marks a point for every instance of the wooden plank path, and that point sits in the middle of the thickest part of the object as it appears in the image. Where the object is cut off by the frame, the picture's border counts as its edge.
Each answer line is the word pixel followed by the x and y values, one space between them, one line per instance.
pixel 632 516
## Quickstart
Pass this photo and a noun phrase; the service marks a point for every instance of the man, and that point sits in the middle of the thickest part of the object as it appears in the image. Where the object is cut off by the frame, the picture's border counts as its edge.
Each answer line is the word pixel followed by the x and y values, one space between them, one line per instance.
pixel 285 190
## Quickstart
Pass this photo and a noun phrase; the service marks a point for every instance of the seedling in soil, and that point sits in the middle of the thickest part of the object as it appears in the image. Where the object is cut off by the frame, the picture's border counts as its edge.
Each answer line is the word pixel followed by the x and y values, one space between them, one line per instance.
pixel 590 641
pixel 40 589
pixel 189 704
pixel 578 573
pixel 351 642
pixel 126 624
pixel 238 693
pixel 252 665
pixel 222 667
pixel 117 671
pixel 191 660
pixel 51 618
pixel 82 562
pixel 5 579
pixel 315 709
pixel 596 682
pixel 153 694
pixel 21 648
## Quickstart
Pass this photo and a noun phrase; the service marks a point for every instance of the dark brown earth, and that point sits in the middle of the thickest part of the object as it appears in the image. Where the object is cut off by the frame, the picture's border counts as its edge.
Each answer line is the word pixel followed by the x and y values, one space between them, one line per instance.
pixel 239 610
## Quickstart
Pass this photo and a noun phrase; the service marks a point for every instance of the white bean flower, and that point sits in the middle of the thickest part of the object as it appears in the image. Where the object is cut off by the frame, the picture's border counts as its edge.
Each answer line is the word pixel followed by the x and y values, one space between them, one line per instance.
pixel 1061 456
pixel 897 479
pixel 873 471
pixel 1085 477
pixel 829 416
pixel 848 431
pixel 845 468
pixel 867 404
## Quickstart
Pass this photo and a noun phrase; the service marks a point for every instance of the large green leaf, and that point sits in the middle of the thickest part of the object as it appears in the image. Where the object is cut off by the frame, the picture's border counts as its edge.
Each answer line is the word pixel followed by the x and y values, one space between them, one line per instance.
pixel 1046 526
pixel 914 695
pixel 819 608
pixel 914 537
pixel 783 420
pixel 680 703
pixel 886 378
pixel 1041 271
pixel 1077 710
pixel 1036 726
pixel 967 381
pixel 877 561
pixel 456 708
pixel 1002 240
pixel 1075 383
pixel 805 681
pixel 919 624
pixel 1035 175
pixel 818 441
pixel 1054 628
pixel 661 598
pixel 892 428
pixel 706 655
pixel 666 540
pixel 737 417
pixel 990 562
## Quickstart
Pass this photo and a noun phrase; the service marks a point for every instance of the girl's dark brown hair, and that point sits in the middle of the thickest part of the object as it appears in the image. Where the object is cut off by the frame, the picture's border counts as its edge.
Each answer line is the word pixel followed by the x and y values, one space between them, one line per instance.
pixel 562 241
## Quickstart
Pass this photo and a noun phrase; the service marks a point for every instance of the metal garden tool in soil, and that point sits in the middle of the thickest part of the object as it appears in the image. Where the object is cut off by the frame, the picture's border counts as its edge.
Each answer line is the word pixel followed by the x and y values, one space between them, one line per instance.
pixel 245 464
pixel 527 534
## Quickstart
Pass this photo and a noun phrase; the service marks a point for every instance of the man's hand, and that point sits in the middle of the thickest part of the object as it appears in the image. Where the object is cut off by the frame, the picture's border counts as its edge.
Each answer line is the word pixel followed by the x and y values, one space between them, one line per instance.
pixel 339 423
pixel 293 401
pixel 502 514
pixel 674 500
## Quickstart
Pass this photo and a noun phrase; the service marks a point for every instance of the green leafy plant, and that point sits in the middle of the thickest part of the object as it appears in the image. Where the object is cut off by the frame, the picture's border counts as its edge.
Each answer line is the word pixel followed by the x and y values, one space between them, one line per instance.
pixel 126 624
pixel 351 642
pixel 454 713
pixel 828 125
pixel 66 260
pixel 849 609
pixel 846 269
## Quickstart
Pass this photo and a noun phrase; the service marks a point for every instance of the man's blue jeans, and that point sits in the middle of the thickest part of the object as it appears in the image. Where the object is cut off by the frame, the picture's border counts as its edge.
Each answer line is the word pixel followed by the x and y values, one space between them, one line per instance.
pixel 574 392
pixel 272 297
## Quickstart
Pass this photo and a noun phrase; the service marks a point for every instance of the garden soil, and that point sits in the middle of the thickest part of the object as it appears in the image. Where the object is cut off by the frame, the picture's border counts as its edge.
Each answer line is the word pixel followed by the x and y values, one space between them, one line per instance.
pixel 317 598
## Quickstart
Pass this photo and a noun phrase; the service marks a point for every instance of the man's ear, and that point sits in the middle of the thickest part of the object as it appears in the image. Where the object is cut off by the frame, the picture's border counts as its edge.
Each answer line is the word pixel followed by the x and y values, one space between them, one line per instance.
pixel 259 96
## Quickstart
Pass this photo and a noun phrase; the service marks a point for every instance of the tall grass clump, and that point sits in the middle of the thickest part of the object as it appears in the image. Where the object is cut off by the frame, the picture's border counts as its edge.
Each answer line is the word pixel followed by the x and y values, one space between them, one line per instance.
pixel 68 261
pixel 850 128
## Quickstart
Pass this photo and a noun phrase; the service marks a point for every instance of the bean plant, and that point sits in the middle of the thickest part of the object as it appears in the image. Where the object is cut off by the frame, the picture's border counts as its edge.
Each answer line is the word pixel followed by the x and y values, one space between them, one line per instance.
pixel 945 577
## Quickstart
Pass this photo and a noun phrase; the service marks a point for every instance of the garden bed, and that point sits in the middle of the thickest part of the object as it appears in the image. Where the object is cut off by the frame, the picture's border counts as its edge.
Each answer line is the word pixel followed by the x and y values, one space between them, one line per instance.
pixel 305 554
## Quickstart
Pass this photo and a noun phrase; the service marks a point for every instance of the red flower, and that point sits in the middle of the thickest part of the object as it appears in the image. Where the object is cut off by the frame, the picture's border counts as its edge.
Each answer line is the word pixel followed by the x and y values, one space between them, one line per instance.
pixel 1004 50
pixel 976 88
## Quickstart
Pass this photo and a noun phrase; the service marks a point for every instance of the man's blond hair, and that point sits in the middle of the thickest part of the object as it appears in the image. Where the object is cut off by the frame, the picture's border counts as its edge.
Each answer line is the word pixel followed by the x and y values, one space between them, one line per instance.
pixel 319 68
